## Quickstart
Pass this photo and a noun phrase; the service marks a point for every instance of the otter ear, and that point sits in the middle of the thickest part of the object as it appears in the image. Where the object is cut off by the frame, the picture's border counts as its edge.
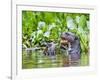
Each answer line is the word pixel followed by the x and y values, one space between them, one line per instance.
pixel 71 36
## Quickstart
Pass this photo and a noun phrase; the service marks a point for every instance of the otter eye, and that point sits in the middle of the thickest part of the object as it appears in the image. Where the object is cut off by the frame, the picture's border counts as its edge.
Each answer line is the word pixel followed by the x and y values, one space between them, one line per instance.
pixel 67 33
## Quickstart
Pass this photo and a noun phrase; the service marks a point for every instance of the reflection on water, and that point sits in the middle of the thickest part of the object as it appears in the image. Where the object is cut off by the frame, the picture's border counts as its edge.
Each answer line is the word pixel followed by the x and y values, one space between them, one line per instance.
pixel 36 59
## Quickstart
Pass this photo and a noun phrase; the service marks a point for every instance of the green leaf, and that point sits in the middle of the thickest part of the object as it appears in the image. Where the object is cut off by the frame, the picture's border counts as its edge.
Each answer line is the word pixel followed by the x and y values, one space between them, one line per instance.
pixel 82 22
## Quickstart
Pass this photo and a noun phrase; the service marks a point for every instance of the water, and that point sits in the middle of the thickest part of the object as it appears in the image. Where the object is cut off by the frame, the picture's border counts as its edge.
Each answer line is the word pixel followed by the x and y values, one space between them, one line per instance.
pixel 39 60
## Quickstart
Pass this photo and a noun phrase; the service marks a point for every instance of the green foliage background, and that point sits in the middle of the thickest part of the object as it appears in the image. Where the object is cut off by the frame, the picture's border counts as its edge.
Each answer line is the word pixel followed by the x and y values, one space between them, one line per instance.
pixel 47 26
